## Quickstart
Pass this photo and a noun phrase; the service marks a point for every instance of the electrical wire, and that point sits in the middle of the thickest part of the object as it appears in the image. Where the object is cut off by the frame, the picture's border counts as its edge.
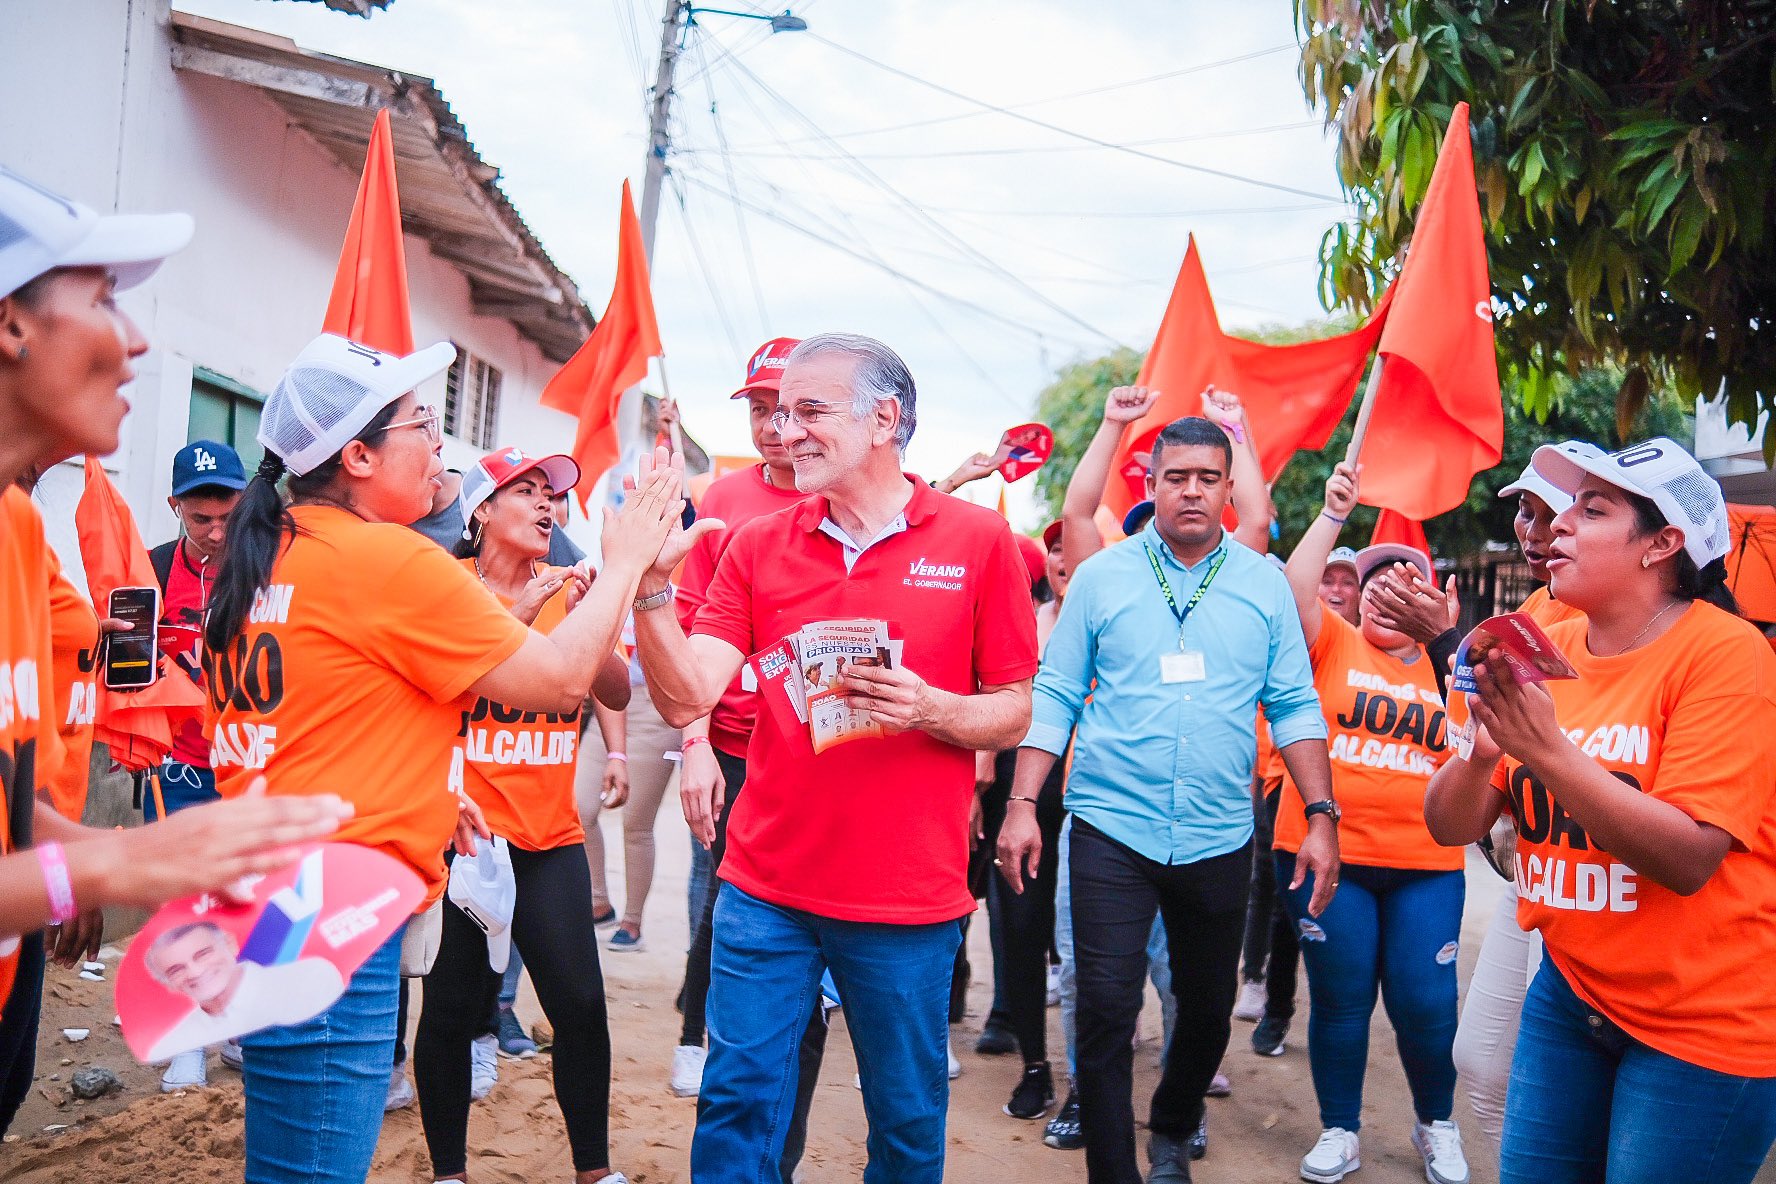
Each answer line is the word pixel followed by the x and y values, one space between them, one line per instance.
pixel 1058 130
pixel 1049 149
pixel 721 312
pixel 721 137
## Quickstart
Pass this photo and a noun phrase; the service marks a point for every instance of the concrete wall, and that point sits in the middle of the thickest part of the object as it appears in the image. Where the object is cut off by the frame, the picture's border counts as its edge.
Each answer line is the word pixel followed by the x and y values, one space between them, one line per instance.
pixel 118 128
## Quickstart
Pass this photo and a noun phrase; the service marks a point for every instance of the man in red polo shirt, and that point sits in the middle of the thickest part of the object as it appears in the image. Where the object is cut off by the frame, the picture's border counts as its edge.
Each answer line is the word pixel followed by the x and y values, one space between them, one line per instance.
pixel 855 859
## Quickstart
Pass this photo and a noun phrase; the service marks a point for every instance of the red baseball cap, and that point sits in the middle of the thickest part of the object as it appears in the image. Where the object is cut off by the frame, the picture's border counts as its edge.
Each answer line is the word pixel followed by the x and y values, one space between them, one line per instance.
pixel 765 368
pixel 499 469
pixel 1050 533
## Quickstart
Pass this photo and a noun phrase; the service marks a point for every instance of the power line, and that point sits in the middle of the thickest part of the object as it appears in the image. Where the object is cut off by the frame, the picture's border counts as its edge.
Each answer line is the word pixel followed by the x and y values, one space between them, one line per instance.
pixel 721 136
pixel 1058 130
pixel 721 311
pixel 1078 94
pixel 920 213
pixel 1047 149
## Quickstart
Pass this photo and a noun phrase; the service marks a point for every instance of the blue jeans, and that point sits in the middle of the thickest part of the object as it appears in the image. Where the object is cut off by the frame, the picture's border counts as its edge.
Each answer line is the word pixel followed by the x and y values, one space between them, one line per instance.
pixel 181 785
pixel 315 1089
pixel 1588 1102
pixel 1398 930
pixel 700 885
pixel 764 983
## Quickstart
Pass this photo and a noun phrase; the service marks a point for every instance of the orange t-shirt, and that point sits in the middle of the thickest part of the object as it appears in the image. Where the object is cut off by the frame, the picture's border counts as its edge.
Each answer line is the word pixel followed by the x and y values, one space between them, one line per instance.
pixel 1269 765
pixel 30 750
pixel 1544 610
pixel 519 765
pixel 74 633
pixel 1690 719
pixel 346 676
pixel 1387 733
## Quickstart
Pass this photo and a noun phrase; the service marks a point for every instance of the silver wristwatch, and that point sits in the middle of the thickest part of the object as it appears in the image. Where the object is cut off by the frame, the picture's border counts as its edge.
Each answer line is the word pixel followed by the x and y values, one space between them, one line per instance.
pixel 659 599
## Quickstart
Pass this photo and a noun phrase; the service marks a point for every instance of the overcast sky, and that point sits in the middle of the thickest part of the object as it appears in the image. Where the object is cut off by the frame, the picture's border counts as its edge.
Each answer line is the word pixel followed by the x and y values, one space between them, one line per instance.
pixel 1018 247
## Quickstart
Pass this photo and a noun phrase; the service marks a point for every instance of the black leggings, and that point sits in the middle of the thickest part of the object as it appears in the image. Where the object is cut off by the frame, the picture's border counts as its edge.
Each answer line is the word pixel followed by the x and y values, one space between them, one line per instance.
pixel 552 927
pixel 1272 953
pixel 696 989
pixel 1027 918
pixel 18 1029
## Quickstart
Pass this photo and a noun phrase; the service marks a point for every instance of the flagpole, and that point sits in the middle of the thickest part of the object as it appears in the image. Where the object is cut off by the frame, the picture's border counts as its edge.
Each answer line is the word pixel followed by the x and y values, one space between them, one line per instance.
pixel 1364 411
pixel 676 434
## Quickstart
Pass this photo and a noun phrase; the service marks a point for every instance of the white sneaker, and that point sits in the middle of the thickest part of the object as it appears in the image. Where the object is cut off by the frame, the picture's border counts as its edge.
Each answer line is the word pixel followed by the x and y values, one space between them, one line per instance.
pixel 400 1091
pixel 1250 1004
pixel 231 1054
pixel 955 1065
pixel 687 1069
pixel 1440 1143
pixel 1054 986
pixel 483 1066
pixel 1333 1158
pixel 185 1071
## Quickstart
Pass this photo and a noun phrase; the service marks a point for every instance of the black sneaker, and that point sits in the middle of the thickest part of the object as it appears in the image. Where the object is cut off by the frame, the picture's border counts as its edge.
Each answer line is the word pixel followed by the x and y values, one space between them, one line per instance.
pixel 995 1040
pixel 1198 1143
pixel 1034 1094
pixel 1062 1132
pixel 1267 1037
pixel 1170 1160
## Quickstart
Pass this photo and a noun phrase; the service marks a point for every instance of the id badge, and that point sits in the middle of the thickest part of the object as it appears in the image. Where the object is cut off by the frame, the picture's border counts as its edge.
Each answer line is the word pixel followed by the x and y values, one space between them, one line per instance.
pixel 1183 666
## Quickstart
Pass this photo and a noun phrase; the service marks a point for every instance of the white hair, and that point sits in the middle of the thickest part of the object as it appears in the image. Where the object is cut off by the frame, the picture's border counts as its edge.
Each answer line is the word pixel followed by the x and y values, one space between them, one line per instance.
pixel 880 375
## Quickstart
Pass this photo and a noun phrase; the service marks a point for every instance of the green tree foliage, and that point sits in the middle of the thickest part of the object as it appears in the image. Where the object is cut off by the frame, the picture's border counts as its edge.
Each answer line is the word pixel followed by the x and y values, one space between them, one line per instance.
pixel 1581 408
pixel 1624 153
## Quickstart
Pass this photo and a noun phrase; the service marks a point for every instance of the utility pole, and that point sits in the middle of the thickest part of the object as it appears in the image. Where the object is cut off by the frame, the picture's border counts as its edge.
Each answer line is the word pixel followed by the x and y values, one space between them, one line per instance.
pixel 659 136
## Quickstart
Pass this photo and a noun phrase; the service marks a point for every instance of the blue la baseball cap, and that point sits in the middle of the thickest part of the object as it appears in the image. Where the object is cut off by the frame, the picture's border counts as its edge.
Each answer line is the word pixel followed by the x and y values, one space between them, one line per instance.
pixel 1137 516
pixel 204 463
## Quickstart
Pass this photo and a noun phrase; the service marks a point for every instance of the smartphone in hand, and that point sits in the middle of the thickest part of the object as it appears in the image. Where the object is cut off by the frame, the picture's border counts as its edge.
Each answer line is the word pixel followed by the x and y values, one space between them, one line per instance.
pixel 132 658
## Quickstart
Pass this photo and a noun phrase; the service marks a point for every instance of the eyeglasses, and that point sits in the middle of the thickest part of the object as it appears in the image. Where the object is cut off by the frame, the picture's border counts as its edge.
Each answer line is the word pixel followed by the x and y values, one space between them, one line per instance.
pixel 426 421
pixel 806 413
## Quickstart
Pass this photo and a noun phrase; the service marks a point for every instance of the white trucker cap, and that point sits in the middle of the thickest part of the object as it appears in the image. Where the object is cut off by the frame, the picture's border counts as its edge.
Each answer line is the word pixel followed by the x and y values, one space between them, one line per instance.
pixel 1530 481
pixel 1380 554
pixel 334 388
pixel 1660 469
pixel 40 230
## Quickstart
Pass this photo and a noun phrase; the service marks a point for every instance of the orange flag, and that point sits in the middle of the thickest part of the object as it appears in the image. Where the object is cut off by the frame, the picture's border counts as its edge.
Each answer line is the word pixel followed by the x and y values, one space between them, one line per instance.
pixel 1394 527
pixel 1294 394
pixel 614 358
pixel 369 300
pixel 139 725
pixel 1003 512
pixel 1437 418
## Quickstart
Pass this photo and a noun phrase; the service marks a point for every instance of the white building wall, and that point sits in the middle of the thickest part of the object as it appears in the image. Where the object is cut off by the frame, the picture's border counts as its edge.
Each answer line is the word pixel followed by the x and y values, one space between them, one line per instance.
pixel 120 129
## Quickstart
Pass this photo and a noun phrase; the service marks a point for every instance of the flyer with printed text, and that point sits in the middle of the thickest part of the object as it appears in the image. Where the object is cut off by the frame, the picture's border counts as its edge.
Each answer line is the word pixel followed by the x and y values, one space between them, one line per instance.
pixel 1513 639
pixel 804 676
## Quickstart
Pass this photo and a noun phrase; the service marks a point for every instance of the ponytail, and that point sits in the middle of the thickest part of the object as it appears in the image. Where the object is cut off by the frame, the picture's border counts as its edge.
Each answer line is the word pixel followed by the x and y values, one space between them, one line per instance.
pixel 259 530
pixel 1708 582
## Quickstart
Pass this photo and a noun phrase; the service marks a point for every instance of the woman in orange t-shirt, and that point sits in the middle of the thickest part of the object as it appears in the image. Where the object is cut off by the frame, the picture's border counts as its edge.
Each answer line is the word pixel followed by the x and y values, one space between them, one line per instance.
pixel 1395 923
pixel 1644 797
pixel 337 646
pixel 66 352
pixel 519 768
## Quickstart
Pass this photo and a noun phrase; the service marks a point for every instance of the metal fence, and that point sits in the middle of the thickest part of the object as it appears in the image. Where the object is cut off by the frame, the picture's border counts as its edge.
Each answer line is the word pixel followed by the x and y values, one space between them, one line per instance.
pixel 1490 584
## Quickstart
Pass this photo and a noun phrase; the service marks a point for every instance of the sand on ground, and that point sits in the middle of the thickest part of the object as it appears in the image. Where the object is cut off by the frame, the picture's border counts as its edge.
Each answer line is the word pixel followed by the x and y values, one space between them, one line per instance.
pixel 516 1135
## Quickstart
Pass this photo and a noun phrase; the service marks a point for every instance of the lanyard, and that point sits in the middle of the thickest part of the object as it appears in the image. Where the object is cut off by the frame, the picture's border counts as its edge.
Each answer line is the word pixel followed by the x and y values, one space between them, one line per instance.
pixel 1195 597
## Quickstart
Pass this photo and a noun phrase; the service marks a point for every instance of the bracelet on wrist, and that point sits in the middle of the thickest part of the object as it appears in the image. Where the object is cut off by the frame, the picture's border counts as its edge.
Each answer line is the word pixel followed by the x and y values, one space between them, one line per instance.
pixel 1019 798
pixel 692 742
pixel 659 599
pixel 617 756
pixel 57 883
pixel 1333 517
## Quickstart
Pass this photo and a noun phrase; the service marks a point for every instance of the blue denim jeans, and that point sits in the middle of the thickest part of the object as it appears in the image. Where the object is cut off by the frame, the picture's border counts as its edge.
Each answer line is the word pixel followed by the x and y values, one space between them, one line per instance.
pixel 1389 928
pixel 698 888
pixel 764 983
pixel 315 1089
pixel 181 785
pixel 1588 1102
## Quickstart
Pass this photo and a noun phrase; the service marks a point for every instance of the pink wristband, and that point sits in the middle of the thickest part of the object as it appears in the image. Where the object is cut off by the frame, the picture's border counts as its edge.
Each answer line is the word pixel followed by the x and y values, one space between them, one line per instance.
pixel 692 742
pixel 56 882
pixel 617 756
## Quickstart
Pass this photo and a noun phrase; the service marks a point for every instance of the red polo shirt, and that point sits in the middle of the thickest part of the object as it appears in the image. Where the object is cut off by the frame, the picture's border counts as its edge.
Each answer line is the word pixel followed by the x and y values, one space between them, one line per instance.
pixel 736 499
pixel 871 830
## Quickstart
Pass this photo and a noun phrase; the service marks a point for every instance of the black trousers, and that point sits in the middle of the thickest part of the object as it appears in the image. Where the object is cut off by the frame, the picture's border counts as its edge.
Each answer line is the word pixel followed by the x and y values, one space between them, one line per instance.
pixel 1272 954
pixel 696 987
pixel 1026 919
pixel 552 928
pixel 18 1029
pixel 1115 893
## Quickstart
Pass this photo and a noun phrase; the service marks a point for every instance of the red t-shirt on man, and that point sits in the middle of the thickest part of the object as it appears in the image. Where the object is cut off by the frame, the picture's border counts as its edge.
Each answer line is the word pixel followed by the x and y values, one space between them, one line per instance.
pixel 189 583
pixel 874 829
pixel 736 499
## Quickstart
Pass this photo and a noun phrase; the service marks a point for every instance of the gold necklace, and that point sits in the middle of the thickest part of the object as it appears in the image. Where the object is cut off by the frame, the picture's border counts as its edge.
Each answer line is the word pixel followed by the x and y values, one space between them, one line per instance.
pixel 482 576
pixel 1646 629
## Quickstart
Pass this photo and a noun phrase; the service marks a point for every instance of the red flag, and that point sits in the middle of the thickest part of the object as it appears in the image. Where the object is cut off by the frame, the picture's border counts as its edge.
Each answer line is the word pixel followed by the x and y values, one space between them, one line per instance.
pixel 137 726
pixel 1437 419
pixel 1294 394
pixel 1003 513
pixel 1394 527
pixel 369 300
pixel 614 358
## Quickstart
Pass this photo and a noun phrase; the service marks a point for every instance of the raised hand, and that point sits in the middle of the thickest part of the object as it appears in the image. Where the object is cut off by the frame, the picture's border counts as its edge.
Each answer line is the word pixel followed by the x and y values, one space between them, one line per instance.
pixel 1126 404
pixel 1341 489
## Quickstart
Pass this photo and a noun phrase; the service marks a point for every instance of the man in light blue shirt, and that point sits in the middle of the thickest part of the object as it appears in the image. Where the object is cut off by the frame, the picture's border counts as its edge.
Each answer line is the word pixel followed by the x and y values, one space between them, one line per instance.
pixel 1165 647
